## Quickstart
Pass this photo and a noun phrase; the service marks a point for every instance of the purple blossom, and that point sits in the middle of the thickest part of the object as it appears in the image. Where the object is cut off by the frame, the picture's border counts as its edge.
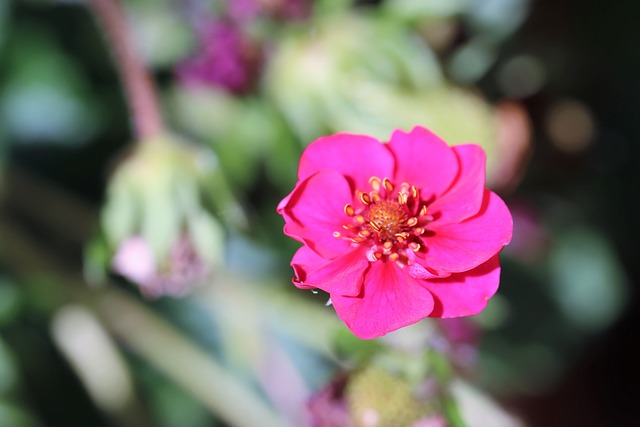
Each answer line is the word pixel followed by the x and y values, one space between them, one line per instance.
pixel 327 407
pixel 288 10
pixel 226 58
pixel 243 10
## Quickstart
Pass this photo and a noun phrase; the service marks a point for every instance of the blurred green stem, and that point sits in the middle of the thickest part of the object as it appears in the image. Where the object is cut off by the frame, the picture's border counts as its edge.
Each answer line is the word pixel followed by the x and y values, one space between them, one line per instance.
pixel 185 364
pixel 28 255
pixel 141 95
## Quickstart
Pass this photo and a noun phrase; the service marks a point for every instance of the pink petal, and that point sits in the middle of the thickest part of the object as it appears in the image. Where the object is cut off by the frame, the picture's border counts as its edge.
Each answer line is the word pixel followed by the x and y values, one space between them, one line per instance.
pixel 343 275
pixel 423 160
pixel 431 421
pixel 465 294
pixel 462 246
pixel 418 271
pixel 390 299
pixel 134 260
pixel 315 210
pixel 285 201
pixel 358 157
pixel 464 198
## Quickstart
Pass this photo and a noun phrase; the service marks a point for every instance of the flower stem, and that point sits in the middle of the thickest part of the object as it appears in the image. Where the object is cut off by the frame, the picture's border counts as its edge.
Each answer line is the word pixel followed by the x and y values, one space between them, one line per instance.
pixel 140 93
pixel 138 328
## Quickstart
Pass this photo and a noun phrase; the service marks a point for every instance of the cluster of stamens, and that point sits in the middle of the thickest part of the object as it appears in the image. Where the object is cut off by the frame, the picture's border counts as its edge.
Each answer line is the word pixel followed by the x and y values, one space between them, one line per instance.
pixel 390 220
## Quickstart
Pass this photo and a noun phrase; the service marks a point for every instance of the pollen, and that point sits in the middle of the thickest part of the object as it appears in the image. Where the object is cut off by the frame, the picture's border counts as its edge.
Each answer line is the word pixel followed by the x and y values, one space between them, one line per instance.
pixel 388 217
pixel 348 209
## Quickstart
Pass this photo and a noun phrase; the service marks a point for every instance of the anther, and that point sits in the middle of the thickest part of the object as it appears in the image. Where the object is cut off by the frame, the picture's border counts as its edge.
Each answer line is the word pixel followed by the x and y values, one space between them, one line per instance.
pixel 423 210
pixel 337 234
pixel 418 231
pixel 402 198
pixel 387 185
pixel 394 257
pixel 348 209
pixel 365 198
pixel 412 221
pixel 364 233
pixel 375 197
pixel 359 219
pixel 415 247
pixel 374 182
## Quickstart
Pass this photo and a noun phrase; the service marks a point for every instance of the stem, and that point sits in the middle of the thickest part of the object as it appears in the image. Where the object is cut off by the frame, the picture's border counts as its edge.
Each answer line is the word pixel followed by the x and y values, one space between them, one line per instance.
pixel 141 95
pixel 141 330
pixel 184 363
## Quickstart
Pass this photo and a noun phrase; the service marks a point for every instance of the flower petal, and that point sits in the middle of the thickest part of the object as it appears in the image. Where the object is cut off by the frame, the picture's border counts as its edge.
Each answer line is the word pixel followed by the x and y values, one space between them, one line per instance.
pixel 390 299
pixel 465 294
pixel 464 198
pixel 458 247
pixel 358 157
pixel 423 160
pixel 285 201
pixel 343 275
pixel 418 271
pixel 315 210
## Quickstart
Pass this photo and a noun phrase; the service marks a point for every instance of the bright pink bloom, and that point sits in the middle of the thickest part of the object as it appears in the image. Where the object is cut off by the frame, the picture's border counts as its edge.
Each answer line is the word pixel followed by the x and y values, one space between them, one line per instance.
pixel 396 232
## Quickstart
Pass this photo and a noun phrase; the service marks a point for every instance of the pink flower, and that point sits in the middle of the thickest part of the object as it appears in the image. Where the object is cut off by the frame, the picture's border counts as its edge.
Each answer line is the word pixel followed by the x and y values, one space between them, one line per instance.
pixel 396 232
pixel 173 276
pixel 431 421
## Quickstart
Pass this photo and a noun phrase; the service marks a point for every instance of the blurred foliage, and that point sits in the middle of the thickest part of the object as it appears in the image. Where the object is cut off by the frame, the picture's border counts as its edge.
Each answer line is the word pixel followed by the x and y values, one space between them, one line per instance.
pixel 243 348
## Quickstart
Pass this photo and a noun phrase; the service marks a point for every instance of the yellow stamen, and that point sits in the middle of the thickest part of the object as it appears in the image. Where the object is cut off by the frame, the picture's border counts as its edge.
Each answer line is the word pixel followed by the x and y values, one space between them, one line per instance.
pixel 387 185
pixel 364 233
pixel 348 209
pixel 374 181
pixel 414 192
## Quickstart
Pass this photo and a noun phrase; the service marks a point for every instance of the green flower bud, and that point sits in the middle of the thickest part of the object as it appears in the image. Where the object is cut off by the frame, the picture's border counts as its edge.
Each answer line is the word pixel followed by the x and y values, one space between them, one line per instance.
pixel 378 399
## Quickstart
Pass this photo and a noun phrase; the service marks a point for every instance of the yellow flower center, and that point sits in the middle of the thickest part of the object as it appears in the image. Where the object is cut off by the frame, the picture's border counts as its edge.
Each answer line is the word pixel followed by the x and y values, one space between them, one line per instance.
pixel 388 218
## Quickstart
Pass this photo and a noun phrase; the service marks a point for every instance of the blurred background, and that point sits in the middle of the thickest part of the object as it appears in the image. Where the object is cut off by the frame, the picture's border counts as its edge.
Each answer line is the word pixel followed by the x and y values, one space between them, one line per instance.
pixel 145 144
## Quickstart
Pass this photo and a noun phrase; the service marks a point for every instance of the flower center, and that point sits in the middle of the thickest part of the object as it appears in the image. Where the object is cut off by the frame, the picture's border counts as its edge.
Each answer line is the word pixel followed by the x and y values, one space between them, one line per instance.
pixel 390 220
